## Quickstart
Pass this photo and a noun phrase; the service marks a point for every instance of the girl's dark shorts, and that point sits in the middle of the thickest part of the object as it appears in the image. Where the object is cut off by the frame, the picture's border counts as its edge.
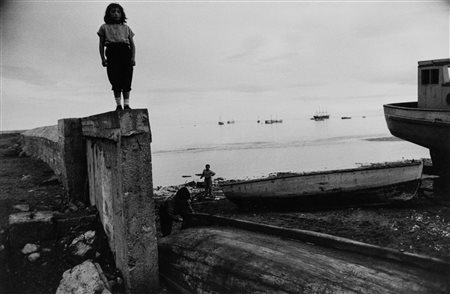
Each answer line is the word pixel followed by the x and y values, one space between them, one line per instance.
pixel 119 69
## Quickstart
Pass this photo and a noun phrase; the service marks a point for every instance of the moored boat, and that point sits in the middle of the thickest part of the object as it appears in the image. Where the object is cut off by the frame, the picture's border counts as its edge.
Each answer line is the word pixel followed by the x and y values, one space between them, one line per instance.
pixel 367 185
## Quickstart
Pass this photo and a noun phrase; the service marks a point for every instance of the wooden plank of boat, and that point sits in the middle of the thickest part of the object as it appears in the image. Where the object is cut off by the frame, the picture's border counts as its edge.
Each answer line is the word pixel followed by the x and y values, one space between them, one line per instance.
pixel 220 255
pixel 375 184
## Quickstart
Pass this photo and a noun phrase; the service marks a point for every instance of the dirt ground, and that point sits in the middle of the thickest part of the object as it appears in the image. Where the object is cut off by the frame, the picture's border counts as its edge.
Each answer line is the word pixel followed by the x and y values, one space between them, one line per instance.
pixel 421 225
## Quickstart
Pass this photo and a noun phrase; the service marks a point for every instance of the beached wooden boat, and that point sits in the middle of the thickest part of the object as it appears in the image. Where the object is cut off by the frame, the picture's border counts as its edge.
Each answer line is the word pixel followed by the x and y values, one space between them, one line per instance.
pixel 219 255
pixel 367 185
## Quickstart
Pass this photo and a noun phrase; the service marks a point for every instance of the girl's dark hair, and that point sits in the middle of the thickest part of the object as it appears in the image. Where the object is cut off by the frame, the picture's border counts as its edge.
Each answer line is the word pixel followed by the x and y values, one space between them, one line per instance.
pixel 183 194
pixel 108 18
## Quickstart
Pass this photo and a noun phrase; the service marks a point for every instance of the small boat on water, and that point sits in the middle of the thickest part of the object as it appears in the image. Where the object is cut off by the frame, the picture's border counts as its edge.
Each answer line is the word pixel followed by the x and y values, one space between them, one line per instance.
pixel 367 185
pixel 320 115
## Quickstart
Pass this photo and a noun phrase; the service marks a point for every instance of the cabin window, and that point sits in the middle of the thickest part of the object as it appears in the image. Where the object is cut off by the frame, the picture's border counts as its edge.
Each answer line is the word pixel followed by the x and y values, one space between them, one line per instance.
pixel 434 76
pixel 425 76
pixel 430 76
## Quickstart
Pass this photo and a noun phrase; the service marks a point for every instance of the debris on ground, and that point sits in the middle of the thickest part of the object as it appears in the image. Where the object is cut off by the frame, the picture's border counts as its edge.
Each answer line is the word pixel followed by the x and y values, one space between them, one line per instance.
pixel 83 278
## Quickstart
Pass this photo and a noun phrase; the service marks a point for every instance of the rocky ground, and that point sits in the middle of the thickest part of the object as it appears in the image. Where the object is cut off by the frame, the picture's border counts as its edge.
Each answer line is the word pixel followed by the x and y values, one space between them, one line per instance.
pixel 29 185
pixel 419 226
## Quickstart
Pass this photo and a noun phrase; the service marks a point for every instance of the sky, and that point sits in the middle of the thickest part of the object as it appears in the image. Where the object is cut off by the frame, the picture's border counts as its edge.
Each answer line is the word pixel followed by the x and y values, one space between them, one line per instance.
pixel 200 60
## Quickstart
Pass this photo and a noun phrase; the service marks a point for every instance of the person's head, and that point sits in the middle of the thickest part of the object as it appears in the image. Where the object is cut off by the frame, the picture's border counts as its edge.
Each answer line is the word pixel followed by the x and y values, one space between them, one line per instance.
pixel 183 194
pixel 114 14
pixel 207 166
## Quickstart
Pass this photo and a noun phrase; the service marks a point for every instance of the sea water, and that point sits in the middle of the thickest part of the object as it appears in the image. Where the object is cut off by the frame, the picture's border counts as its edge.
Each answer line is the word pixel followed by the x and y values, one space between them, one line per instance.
pixel 248 149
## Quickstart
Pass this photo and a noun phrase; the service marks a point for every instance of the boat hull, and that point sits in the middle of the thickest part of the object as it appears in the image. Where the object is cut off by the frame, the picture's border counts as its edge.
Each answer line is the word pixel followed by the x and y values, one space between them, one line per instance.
pixel 429 128
pixel 360 186
pixel 232 256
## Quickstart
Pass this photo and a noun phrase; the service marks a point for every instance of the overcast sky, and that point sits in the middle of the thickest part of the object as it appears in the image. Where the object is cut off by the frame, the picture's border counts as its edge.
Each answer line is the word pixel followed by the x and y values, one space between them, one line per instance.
pixel 197 57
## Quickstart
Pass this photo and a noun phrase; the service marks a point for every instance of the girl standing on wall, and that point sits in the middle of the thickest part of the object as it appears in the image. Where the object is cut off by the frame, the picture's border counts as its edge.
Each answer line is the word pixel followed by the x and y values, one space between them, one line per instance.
pixel 120 52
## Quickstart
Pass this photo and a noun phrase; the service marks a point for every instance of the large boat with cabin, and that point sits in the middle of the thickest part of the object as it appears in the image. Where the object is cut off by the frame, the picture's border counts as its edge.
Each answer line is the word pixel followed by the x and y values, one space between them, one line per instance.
pixel 426 122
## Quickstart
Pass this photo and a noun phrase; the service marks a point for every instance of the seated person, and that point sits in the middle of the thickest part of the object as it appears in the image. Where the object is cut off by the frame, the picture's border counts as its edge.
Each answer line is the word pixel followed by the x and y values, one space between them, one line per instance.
pixel 174 208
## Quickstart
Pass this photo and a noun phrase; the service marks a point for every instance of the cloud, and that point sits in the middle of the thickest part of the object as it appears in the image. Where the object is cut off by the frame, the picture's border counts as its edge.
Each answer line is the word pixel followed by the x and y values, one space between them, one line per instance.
pixel 28 75
pixel 241 88
pixel 249 48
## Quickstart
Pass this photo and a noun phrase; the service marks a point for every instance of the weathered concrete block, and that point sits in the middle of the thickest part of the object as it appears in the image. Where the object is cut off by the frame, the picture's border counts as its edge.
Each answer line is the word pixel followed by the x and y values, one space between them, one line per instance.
pixel 29 227
pixel 112 125
pixel 73 157
pixel 120 185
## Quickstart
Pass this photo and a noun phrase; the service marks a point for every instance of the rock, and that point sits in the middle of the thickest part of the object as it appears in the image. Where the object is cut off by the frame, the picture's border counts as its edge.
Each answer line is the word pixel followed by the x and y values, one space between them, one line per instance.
pixel 81 205
pixel 119 281
pixel 34 256
pixel 53 180
pixel 73 207
pixel 25 178
pixel 2 247
pixel 82 244
pixel 22 207
pixel 83 278
pixel 46 250
pixel 30 248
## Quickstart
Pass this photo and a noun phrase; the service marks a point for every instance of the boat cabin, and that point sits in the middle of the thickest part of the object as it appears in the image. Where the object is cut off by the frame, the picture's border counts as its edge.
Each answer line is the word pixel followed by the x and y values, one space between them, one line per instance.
pixel 434 84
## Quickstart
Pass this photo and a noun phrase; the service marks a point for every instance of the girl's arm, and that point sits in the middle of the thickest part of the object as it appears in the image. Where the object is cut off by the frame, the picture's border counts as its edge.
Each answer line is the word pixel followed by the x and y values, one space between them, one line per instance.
pixel 101 47
pixel 133 51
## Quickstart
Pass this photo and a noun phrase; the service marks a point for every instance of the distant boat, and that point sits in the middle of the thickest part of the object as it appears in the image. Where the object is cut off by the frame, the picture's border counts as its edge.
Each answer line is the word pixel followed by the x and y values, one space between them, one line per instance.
pixel 320 115
pixel 230 122
pixel 346 117
pixel 273 121
pixel 367 185
pixel 220 123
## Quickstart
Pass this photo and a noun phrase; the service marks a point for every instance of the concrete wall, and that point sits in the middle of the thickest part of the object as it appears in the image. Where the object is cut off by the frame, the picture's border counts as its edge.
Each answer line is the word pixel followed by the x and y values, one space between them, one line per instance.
pixel 120 185
pixel 62 147
pixel 106 160
pixel 43 143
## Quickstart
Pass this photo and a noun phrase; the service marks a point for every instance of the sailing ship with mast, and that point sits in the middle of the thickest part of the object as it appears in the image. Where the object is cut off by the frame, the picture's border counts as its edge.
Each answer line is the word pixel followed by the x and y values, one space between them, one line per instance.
pixel 320 115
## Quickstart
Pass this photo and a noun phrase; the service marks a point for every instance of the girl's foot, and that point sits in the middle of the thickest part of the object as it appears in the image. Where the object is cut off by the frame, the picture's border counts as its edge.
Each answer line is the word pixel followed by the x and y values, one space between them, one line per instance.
pixel 127 107
pixel 119 107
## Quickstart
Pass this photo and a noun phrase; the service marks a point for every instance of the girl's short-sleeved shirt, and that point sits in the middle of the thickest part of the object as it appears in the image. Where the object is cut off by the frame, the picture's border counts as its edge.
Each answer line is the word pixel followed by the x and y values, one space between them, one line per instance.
pixel 115 33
